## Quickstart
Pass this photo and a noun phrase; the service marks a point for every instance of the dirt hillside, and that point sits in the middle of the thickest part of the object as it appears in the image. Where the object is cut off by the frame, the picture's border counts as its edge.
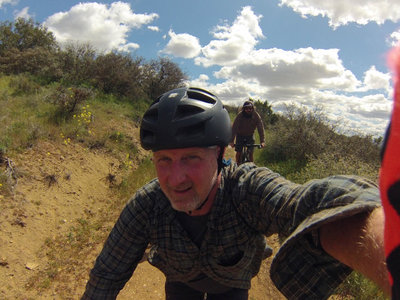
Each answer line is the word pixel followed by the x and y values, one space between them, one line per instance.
pixel 55 187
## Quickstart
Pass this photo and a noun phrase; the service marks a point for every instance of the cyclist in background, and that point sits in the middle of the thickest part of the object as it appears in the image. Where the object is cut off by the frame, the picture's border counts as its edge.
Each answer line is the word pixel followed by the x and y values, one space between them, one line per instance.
pixel 243 129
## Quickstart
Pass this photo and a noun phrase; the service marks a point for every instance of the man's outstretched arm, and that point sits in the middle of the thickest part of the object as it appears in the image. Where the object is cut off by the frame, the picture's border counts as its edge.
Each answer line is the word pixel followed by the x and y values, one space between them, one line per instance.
pixel 357 241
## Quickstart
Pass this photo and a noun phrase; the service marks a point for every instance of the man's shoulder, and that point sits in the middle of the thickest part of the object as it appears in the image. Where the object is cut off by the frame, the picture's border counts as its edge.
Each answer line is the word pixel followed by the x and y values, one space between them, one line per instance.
pixel 256 115
pixel 236 173
pixel 151 186
pixel 239 115
pixel 149 191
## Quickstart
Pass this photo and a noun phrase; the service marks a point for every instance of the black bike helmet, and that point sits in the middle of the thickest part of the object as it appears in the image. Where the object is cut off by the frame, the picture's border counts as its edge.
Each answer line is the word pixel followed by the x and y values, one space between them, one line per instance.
pixel 185 117
pixel 248 103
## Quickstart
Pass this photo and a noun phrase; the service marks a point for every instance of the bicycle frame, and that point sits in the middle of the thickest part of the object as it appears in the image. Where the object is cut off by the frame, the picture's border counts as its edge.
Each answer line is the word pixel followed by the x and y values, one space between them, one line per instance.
pixel 245 155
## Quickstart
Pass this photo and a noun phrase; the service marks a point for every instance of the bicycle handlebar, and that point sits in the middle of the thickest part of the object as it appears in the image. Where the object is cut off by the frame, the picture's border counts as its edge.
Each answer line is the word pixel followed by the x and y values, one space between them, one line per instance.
pixel 251 145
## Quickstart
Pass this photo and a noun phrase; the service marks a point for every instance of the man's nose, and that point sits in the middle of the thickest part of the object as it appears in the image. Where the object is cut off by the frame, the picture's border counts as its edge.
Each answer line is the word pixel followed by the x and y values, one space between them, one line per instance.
pixel 177 174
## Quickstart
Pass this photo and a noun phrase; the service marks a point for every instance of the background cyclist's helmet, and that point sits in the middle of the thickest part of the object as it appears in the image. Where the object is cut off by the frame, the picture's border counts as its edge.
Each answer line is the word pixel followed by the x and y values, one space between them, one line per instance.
pixel 248 103
pixel 185 117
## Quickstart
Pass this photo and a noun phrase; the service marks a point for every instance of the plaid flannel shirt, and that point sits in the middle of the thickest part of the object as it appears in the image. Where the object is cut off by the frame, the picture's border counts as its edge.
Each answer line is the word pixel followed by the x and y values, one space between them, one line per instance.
pixel 251 203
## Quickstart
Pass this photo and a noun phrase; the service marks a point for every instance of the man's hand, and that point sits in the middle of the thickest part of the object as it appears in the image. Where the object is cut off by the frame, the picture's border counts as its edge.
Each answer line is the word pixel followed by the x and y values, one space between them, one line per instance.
pixel 262 145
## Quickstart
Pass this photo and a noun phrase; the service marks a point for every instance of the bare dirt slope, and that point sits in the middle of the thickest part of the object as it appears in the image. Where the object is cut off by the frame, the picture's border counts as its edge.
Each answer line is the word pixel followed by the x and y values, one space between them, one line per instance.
pixel 56 185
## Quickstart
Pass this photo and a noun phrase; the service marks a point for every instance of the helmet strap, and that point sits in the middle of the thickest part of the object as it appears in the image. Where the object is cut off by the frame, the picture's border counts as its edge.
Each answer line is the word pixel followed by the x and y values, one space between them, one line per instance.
pixel 220 159
pixel 210 196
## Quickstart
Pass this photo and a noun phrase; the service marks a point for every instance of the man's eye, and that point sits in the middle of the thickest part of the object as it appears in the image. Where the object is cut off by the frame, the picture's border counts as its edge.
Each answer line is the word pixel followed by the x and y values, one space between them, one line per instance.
pixel 163 160
pixel 193 158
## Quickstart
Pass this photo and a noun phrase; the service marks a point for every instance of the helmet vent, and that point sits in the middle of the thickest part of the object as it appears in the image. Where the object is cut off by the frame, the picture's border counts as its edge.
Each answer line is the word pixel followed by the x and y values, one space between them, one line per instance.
pixel 200 95
pixel 183 111
pixel 147 136
pixel 151 115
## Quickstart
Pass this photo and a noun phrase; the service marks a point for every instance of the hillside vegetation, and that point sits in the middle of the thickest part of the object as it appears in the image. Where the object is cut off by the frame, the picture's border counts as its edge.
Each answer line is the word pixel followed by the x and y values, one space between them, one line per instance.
pixel 70 157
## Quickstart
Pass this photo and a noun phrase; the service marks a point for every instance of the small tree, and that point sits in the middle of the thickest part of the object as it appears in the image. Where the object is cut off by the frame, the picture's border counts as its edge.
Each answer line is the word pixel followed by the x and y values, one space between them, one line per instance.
pixel 303 135
pixel 26 46
pixel 25 34
pixel 266 112
pixel 160 76
pixel 77 63
pixel 299 134
pixel 67 101
pixel 119 74
pixel 38 61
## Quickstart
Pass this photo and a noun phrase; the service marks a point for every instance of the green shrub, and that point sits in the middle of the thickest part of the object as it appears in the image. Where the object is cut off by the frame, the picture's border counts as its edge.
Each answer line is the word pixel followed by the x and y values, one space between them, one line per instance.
pixel 356 286
pixel 364 147
pixel 23 85
pixel 119 74
pixel 67 101
pixel 328 164
pixel 304 135
pixel 77 64
pixel 299 134
pixel 160 76
pixel 265 110
pixel 284 167
pixel 28 47
pixel 23 34
pixel 5 91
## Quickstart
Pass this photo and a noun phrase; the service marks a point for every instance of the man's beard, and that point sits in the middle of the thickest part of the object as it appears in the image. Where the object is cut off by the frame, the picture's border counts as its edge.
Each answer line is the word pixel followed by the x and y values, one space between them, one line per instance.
pixel 189 205
pixel 247 115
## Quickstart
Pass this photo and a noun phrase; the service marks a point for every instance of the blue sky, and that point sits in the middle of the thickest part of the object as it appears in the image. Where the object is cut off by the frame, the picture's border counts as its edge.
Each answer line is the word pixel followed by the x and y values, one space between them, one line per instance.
pixel 329 54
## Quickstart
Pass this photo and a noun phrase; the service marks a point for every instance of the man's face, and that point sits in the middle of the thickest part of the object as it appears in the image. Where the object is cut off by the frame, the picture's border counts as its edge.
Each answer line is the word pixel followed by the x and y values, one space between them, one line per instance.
pixel 186 175
pixel 248 109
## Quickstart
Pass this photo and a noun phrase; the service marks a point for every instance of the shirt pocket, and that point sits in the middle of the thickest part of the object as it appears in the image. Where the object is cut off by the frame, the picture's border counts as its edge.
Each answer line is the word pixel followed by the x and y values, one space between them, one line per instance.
pixel 232 263
pixel 171 262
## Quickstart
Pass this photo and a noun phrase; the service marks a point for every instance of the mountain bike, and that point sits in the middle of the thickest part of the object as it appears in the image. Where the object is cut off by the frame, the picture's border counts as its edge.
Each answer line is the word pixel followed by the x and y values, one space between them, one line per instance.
pixel 247 148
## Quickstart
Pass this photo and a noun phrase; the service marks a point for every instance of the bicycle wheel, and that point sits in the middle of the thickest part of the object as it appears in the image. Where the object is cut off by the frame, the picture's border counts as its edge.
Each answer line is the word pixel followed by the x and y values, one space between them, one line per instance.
pixel 245 155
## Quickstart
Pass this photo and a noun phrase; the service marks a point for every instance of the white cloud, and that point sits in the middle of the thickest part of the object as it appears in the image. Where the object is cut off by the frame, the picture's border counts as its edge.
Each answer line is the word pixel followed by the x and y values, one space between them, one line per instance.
pixel 357 114
pixel 307 76
pixel 200 81
pixel 104 27
pixel 182 45
pixel 11 2
pixel 23 13
pixel 394 38
pixel 371 106
pixel 365 114
pixel 128 47
pixel 375 80
pixel 342 12
pixel 153 28
pixel 232 43
pixel 305 67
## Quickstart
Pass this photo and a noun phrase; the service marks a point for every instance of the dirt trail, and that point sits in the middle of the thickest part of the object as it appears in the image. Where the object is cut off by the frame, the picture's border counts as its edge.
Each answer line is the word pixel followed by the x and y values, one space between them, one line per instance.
pixel 59 184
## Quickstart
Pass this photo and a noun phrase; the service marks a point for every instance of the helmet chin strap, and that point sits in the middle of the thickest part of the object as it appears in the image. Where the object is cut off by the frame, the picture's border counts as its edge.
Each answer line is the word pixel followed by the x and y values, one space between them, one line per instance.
pixel 220 166
pixel 204 202
pixel 211 195
pixel 201 205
